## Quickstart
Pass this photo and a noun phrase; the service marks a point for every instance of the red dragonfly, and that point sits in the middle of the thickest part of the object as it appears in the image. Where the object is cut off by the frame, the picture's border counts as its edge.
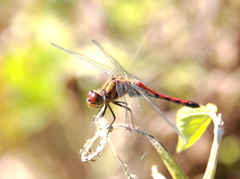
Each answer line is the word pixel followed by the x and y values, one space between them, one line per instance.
pixel 124 89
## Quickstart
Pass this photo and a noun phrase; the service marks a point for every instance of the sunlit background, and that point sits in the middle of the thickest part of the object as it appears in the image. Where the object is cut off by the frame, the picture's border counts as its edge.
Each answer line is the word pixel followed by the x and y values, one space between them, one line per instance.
pixel 186 49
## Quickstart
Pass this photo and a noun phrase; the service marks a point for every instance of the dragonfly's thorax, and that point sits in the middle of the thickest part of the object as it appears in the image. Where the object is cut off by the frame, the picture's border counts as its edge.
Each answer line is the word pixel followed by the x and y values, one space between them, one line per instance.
pixel 111 89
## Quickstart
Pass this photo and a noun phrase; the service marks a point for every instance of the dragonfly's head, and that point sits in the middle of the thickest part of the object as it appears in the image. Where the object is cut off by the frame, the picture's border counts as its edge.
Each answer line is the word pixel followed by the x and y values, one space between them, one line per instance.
pixel 94 99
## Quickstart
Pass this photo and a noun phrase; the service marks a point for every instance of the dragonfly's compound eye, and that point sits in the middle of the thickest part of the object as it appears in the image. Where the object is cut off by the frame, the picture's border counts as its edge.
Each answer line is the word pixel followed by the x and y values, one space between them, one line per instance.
pixel 94 99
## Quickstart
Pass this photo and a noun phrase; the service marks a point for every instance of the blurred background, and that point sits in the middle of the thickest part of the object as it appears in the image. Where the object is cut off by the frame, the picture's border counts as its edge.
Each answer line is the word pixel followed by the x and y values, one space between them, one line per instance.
pixel 186 49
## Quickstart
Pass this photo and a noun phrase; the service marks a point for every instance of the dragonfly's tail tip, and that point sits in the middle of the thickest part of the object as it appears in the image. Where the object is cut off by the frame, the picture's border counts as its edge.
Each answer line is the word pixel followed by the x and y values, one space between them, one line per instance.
pixel 196 105
pixel 193 104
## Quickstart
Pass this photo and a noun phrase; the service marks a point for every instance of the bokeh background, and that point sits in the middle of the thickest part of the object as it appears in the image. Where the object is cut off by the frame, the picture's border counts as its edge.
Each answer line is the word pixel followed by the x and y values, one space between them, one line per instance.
pixel 187 49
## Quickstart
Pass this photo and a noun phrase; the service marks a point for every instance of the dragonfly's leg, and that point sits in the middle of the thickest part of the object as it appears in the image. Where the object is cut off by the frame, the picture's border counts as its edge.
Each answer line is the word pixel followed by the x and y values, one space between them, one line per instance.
pixel 104 107
pixel 114 117
pixel 104 110
pixel 120 103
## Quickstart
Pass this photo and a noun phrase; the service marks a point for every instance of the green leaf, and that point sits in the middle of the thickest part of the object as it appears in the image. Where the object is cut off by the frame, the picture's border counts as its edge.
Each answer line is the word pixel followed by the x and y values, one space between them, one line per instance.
pixel 192 123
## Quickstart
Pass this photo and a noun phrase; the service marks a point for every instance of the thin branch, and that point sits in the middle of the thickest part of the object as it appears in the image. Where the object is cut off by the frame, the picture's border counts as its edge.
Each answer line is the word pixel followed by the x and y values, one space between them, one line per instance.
pixel 167 158
pixel 124 166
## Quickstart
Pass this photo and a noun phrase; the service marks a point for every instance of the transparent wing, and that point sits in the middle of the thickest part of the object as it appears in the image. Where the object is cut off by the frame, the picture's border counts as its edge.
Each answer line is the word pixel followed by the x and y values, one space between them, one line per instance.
pixel 134 103
pixel 115 63
pixel 155 103
pixel 99 66
pixel 135 117
pixel 112 60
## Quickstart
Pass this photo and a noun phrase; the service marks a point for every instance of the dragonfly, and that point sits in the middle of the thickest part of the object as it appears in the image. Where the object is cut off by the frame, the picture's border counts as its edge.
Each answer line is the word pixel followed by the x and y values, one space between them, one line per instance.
pixel 124 89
